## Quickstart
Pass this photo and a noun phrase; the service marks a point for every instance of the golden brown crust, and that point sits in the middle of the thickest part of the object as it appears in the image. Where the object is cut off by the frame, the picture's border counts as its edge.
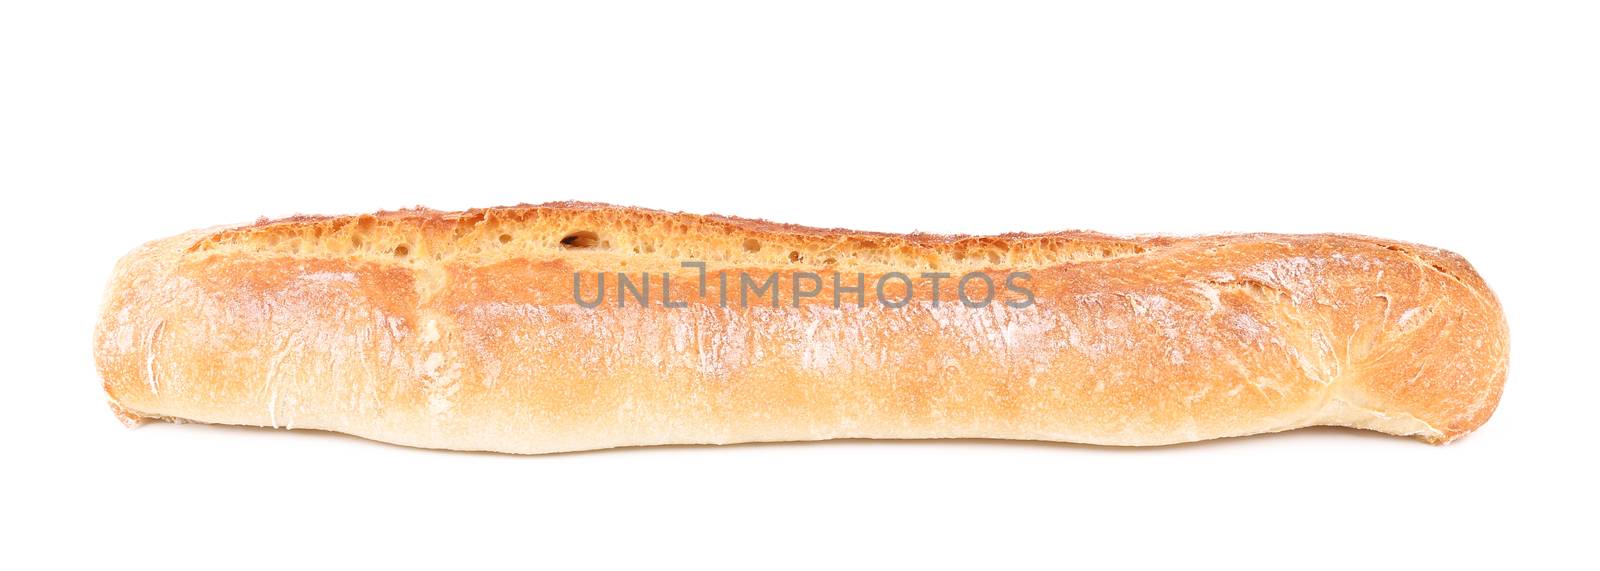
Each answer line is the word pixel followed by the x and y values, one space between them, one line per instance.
pixel 459 330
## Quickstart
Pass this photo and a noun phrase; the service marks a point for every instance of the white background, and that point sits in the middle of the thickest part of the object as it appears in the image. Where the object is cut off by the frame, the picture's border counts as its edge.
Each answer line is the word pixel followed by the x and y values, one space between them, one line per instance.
pixel 1473 126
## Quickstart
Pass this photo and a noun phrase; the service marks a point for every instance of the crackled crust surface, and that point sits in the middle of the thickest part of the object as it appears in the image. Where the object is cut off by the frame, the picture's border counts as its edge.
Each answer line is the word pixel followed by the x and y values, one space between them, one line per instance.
pixel 459 330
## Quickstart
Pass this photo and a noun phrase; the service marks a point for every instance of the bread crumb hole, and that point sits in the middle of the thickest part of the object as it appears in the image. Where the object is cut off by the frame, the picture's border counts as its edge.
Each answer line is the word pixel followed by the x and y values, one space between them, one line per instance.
pixel 504 238
pixel 401 251
pixel 582 239
pixel 794 255
pixel 752 245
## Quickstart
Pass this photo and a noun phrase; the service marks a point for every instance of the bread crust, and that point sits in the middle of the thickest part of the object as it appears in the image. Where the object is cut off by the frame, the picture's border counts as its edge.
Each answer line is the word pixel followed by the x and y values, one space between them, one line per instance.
pixel 460 330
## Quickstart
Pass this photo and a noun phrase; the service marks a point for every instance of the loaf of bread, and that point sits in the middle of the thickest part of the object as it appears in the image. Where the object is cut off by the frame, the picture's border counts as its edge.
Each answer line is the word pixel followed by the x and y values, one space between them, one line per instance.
pixel 573 326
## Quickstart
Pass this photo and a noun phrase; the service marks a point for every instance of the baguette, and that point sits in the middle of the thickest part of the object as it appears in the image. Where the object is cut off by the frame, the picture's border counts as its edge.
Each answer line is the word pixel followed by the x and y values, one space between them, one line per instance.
pixel 523 330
